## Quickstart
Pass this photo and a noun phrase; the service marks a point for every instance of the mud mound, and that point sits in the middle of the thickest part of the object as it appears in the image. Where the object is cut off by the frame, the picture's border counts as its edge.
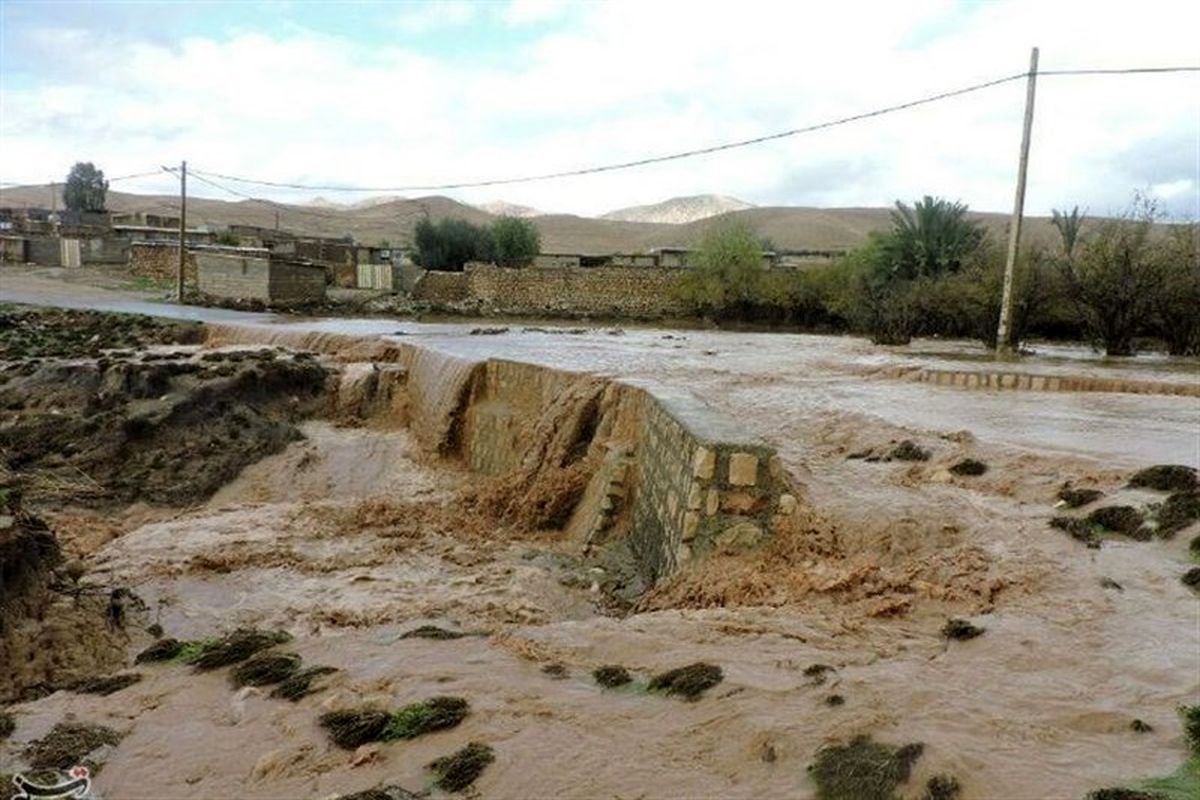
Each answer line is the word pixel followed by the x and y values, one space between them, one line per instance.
pixel 32 332
pixel 169 432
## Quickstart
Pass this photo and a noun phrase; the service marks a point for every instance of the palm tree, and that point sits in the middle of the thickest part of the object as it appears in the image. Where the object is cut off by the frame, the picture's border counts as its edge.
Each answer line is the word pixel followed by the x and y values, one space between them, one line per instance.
pixel 931 237
pixel 1068 225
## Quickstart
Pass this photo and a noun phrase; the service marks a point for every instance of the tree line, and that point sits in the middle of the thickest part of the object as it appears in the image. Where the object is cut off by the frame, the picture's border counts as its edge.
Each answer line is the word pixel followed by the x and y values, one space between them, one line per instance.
pixel 450 243
pixel 937 272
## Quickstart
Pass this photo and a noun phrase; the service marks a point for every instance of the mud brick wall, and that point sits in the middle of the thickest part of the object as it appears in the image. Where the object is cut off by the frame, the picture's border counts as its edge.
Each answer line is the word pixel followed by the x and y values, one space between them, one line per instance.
pixel 104 250
pixel 44 250
pixel 160 261
pixel 12 250
pixel 258 278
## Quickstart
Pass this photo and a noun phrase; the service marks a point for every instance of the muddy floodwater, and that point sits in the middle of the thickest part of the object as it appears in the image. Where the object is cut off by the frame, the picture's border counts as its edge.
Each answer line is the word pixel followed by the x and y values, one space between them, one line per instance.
pixel 354 533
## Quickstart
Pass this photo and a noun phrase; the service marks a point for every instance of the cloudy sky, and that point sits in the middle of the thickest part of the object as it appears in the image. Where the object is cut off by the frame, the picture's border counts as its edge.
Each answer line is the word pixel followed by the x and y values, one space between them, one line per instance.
pixel 401 94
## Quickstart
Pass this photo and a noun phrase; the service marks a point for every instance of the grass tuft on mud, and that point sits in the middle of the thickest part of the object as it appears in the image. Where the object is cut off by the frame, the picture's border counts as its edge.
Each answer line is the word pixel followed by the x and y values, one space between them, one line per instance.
pixel 456 772
pixel 1125 520
pixel 1191 579
pixel 1177 512
pixel 862 769
pixel 961 630
pixel 1077 498
pixel 908 450
pixel 8 724
pixel 106 685
pixel 610 676
pixel 1190 716
pixel 351 728
pixel 1165 478
pixel 162 650
pixel 688 682
pixel 67 744
pixel 942 787
pixel 417 719
pixel 265 669
pixel 969 467
pixel 1079 530
pixel 233 648
pixel 299 684
pixel 433 632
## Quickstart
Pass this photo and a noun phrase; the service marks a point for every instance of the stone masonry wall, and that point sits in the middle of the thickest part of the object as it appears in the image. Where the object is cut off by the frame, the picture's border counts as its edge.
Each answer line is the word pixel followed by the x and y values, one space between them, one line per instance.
pixel 291 282
pixel 237 277
pixel 642 292
pixel 160 262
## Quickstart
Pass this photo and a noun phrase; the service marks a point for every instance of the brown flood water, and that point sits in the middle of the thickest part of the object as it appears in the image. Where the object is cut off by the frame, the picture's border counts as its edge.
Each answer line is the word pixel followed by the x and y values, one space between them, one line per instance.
pixel 350 538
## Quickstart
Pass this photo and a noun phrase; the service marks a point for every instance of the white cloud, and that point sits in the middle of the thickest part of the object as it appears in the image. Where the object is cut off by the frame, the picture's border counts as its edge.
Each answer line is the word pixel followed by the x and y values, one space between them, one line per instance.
pixel 528 12
pixel 434 15
pixel 625 80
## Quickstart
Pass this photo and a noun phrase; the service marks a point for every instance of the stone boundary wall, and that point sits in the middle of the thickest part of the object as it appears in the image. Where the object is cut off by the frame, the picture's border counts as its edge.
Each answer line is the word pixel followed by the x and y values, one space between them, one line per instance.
pixel 675 479
pixel 638 292
pixel 160 261
pixel 1024 381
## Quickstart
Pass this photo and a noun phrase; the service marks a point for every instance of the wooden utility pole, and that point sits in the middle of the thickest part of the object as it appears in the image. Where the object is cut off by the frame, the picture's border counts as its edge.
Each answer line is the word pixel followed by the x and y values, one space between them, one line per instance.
pixel 182 229
pixel 1003 347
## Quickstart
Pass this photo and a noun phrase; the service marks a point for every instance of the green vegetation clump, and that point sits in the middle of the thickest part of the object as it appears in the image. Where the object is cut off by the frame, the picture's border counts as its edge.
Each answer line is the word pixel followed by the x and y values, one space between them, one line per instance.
pixel 909 450
pixel 1119 793
pixel 8 724
pixel 1190 715
pixel 383 793
pixel 85 189
pixel 1165 478
pixel 434 714
pixel 961 630
pixel 610 676
pixel 432 632
pixel 689 682
pixel 1078 529
pixel 299 684
pixel 515 241
pixel 1077 498
pixel 162 650
pixel 969 467
pixel 1191 579
pixel 1118 519
pixel 106 685
pixel 351 728
pixel 1178 511
pixel 942 787
pixel 456 772
pixel 264 669
pixel 233 648
pixel 67 744
pixel 862 769
pixel 1194 546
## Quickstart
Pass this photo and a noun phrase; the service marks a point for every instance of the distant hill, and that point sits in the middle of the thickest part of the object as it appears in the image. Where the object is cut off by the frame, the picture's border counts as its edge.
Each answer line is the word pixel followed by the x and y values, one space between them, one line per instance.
pixel 502 209
pixel 393 220
pixel 679 210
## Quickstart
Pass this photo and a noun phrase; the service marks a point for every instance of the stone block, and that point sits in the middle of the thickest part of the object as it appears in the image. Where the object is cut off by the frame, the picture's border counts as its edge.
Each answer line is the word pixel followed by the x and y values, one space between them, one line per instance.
pixel 787 504
pixel 691 524
pixel 704 463
pixel 713 503
pixel 743 469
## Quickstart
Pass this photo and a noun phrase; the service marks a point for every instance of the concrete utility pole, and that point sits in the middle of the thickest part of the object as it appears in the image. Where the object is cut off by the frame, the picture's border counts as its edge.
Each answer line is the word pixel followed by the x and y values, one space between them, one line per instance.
pixel 182 229
pixel 1014 230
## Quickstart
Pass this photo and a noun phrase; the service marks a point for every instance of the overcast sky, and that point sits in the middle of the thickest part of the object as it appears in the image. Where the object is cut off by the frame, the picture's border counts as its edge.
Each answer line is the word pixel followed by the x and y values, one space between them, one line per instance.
pixel 386 94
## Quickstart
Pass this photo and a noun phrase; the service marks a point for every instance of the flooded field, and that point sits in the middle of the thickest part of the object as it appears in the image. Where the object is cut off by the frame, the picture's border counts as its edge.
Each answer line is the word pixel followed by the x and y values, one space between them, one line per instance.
pixel 362 514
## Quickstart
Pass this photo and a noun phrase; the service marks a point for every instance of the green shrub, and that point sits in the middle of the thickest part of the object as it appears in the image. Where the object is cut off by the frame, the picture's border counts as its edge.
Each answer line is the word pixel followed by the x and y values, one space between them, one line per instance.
pixel 516 241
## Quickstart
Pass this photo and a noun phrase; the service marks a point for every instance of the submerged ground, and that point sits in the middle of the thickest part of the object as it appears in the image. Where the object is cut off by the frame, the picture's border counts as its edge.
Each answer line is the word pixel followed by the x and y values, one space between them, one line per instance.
pixel 341 531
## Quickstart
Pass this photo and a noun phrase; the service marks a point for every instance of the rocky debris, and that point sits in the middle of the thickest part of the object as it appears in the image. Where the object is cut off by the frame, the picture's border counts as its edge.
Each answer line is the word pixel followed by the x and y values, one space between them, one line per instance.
pixel 456 772
pixel 909 450
pixel 433 632
pixel 1125 520
pixel 7 725
pixel 688 682
pixel 35 332
pixel 942 787
pixel 1078 529
pixel 1191 579
pixel 1177 512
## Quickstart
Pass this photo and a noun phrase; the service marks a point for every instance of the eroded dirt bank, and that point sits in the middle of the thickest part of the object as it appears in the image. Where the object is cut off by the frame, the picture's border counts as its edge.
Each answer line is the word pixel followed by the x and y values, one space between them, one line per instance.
pixel 335 524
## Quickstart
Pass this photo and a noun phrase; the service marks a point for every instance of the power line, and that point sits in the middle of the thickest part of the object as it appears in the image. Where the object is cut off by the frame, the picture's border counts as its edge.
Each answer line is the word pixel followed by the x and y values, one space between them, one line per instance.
pixel 704 150
pixel 243 195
